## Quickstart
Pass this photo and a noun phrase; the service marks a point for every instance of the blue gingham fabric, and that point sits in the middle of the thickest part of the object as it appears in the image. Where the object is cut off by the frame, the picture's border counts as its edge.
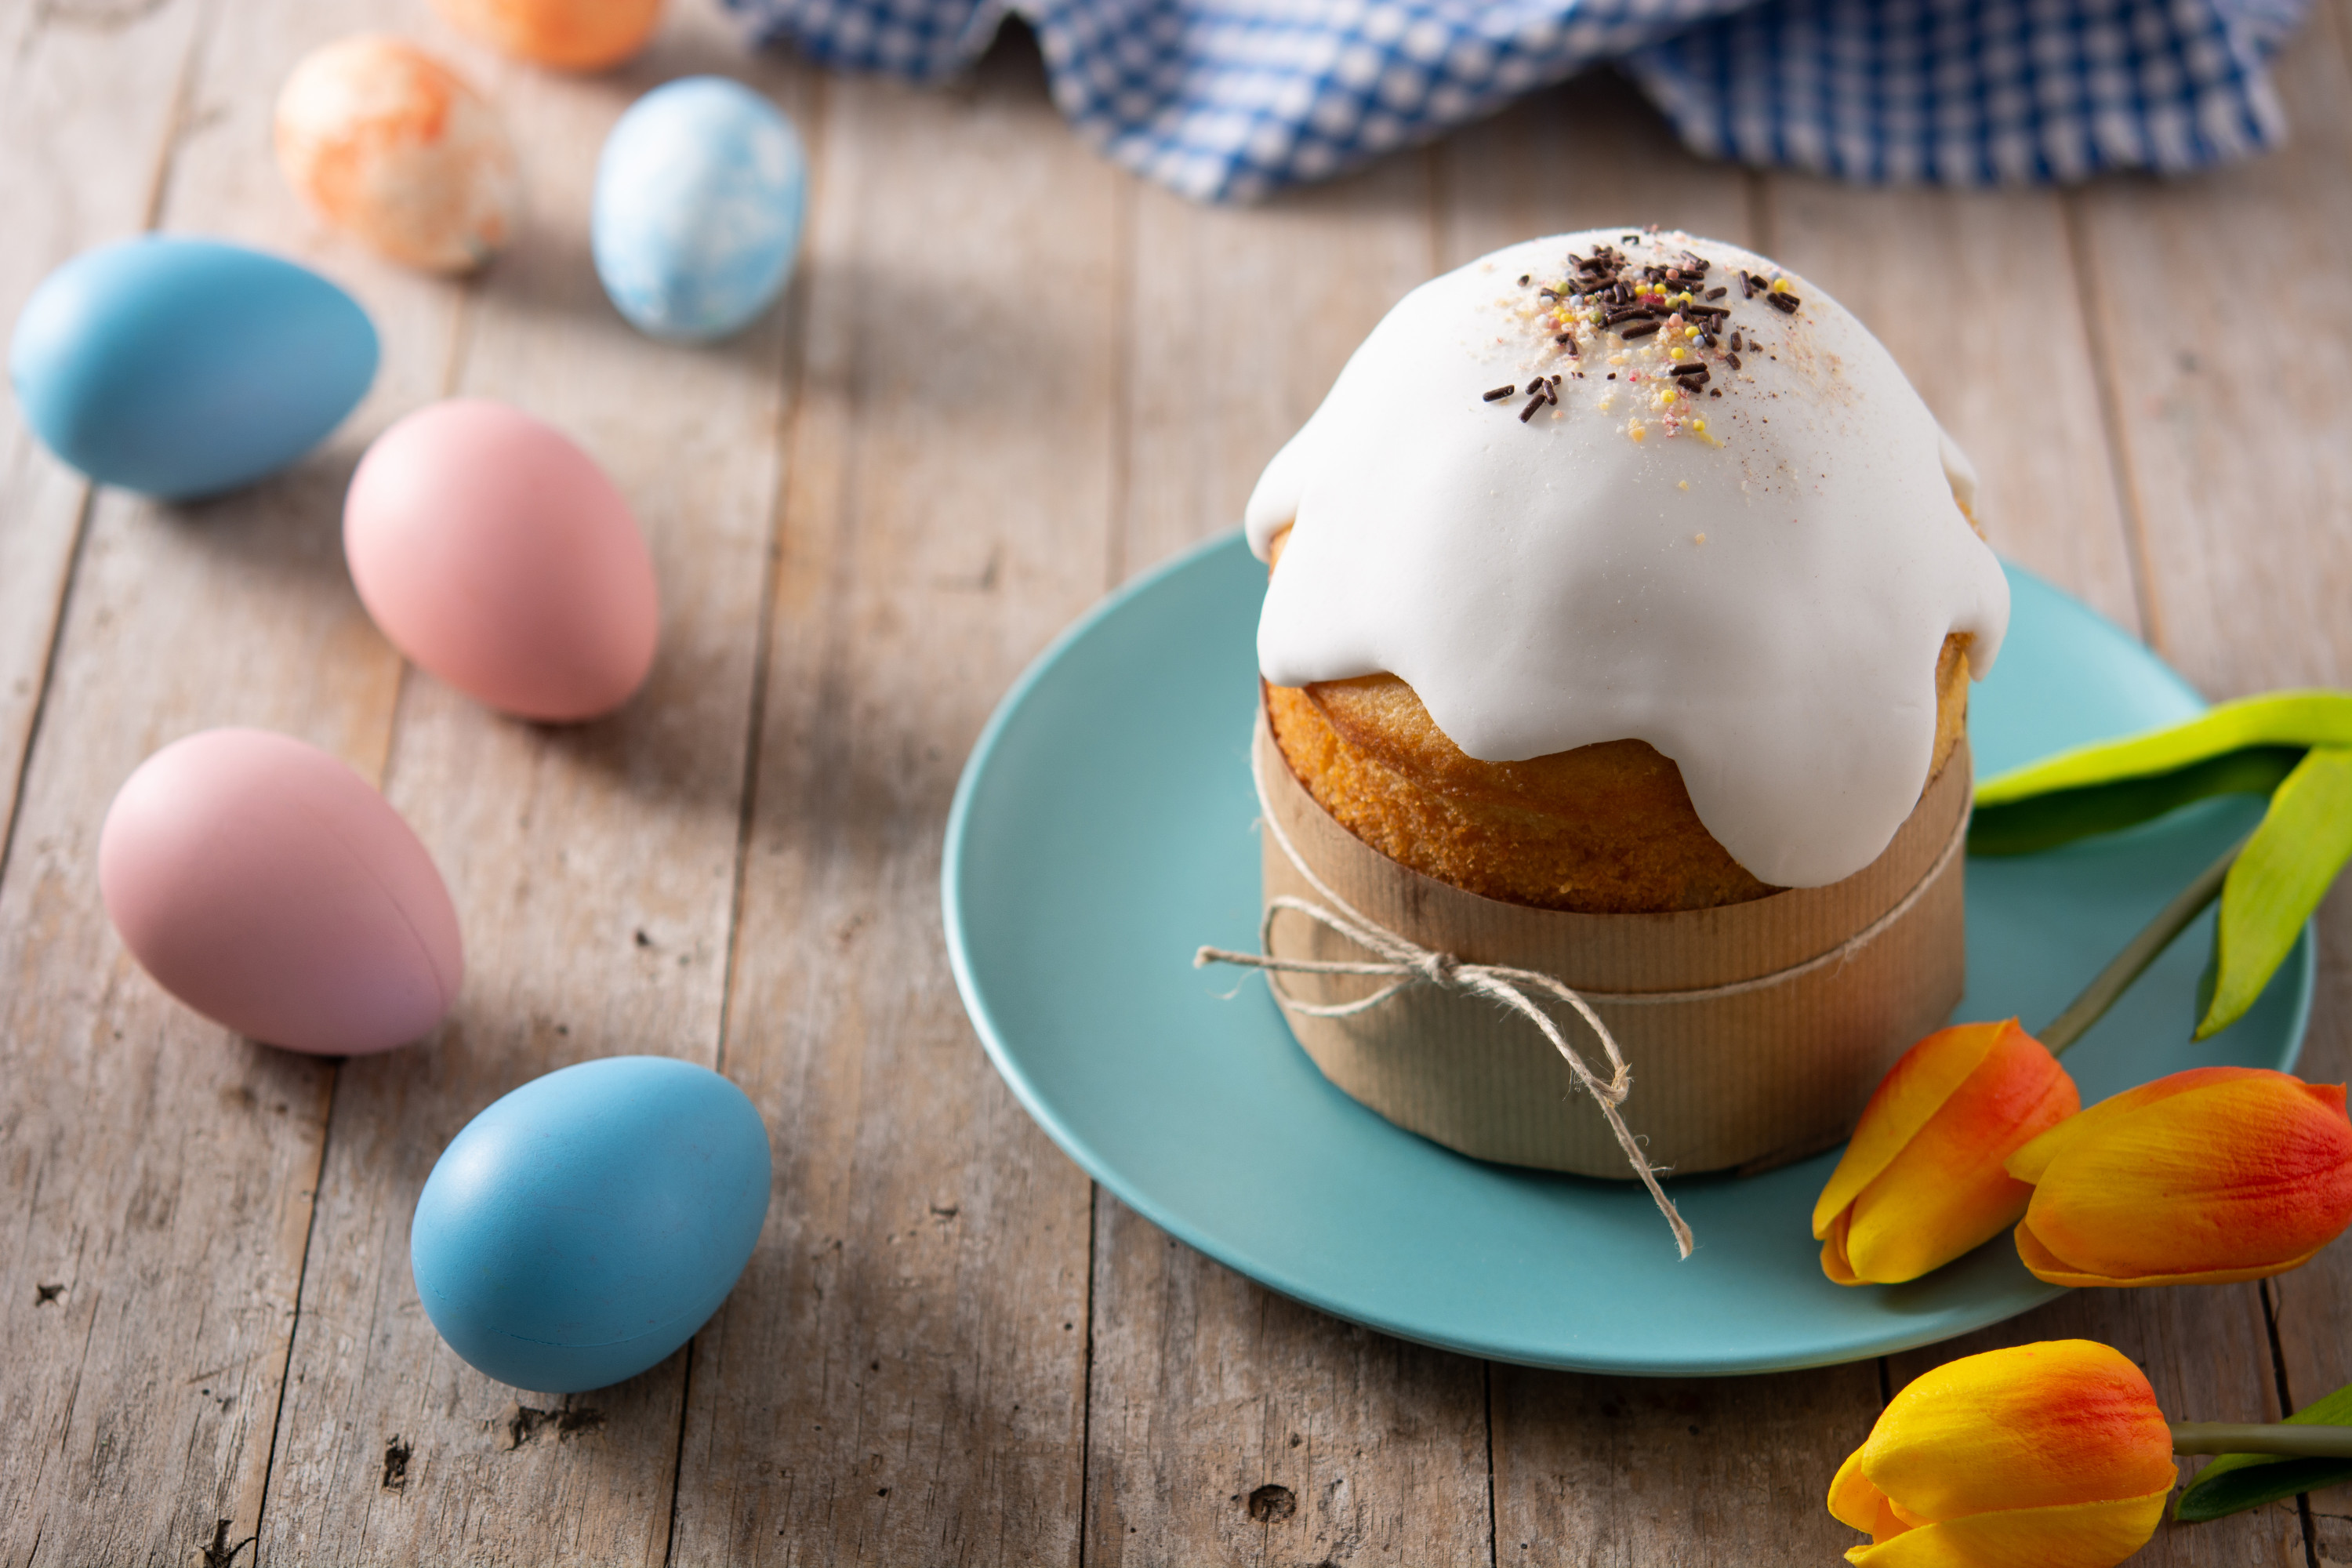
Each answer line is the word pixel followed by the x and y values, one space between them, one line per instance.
pixel 1225 100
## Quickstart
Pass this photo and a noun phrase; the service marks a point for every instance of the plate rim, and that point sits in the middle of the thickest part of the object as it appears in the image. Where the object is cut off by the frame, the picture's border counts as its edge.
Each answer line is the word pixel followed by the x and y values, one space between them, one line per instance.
pixel 1080 1152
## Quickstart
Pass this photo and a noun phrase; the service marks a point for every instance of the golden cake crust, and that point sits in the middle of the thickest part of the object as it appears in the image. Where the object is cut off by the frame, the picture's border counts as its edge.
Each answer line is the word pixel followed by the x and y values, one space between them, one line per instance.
pixel 1601 829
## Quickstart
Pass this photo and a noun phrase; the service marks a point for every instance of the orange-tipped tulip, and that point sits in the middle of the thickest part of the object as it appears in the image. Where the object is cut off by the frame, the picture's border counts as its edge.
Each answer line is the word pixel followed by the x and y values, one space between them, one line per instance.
pixel 2053 1454
pixel 1922 1182
pixel 2208 1176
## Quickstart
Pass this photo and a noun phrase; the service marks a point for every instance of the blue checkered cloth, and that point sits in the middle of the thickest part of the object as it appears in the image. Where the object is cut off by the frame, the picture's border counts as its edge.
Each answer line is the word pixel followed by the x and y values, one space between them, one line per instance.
pixel 1226 100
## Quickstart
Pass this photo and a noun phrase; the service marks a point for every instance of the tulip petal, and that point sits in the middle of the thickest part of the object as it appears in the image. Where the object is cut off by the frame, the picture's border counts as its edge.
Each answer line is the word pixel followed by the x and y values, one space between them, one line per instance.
pixel 2064 1421
pixel 1945 1192
pixel 1833 1260
pixel 2066 1535
pixel 2028 1164
pixel 1913 1088
pixel 1854 1499
pixel 2052 1269
pixel 2233 1179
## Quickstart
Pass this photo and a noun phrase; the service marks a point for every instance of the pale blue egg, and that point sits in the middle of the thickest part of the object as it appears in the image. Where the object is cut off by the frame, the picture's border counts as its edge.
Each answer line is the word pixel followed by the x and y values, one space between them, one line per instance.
pixel 185 367
pixel 700 196
pixel 585 1226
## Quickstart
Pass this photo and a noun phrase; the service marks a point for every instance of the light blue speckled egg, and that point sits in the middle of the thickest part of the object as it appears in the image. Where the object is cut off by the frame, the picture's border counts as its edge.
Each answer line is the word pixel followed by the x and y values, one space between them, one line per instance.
pixel 700 196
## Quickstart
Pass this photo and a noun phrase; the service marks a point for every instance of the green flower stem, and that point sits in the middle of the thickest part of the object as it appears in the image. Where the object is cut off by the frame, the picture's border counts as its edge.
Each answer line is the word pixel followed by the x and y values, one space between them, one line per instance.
pixel 2142 951
pixel 2299 1440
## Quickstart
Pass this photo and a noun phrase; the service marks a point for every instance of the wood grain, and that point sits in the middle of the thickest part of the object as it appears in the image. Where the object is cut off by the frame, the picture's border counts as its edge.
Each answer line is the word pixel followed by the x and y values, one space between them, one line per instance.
pixel 1009 376
pixel 900 1375
pixel 1226 1423
pixel 2237 445
pixel 1969 293
pixel 1239 319
pixel 593 870
pixel 1618 1472
pixel 87 112
pixel 161 1172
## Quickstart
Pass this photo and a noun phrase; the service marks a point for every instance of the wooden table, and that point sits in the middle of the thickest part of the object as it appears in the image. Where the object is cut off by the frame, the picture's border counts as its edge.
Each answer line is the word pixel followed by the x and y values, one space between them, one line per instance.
pixel 1008 376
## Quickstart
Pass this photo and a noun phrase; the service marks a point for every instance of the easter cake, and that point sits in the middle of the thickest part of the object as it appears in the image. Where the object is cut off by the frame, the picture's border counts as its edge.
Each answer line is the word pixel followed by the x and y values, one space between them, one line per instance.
pixel 1624 598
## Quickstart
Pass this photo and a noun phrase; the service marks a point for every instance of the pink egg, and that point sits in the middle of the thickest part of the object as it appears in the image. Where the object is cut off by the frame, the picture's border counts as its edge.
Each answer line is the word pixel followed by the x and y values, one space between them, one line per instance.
pixel 495 554
pixel 388 142
pixel 265 885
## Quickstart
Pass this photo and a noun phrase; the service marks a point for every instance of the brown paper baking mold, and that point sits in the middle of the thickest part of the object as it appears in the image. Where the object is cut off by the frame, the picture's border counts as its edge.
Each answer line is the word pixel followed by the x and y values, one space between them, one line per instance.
pixel 1770 1068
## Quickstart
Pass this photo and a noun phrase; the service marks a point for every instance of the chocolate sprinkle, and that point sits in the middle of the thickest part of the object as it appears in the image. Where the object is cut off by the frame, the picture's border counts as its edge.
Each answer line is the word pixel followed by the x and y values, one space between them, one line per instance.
pixel 1748 285
pixel 1641 330
pixel 1731 360
pixel 1529 411
pixel 1500 394
pixel 1717 293
pixel 1785 303
pixel 1736 344
pixel 1535 385
pixel 1525 278
pixel 1684 372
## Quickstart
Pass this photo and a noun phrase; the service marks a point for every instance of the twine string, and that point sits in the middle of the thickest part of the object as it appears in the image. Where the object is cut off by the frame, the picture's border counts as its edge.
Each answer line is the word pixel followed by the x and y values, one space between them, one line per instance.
pixel 1409 965
pixel 1405 964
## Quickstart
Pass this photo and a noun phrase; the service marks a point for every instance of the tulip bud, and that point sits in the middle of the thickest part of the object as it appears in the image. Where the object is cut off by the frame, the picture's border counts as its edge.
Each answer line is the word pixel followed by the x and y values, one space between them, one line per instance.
pixel 2052 1454
pixel 1922 1181
pixel 2204 1177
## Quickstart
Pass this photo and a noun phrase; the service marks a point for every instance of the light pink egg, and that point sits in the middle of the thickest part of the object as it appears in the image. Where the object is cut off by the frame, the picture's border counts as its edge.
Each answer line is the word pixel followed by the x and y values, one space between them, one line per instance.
pixel 388 142
pixel 495 554
pixel 265 885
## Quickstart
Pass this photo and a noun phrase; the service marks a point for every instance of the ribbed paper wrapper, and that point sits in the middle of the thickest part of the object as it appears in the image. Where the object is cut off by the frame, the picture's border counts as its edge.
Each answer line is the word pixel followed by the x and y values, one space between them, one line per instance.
pixel 1748 1079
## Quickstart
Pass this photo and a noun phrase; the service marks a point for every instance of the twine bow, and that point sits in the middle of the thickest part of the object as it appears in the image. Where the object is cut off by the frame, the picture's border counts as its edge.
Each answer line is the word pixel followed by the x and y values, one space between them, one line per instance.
pixel 1407 964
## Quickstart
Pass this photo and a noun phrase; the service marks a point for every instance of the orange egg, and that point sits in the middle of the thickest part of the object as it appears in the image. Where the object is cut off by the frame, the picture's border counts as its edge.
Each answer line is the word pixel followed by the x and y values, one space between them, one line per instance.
pixel 388 142
pixel 570 35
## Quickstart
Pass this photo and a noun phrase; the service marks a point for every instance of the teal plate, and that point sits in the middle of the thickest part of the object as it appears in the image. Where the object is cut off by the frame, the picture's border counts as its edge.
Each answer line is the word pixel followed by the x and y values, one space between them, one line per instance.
pixel 1103 831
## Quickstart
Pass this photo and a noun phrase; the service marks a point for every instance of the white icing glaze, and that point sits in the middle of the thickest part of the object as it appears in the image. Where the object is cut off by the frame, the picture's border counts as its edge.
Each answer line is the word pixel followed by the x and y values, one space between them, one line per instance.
pixel 1762 600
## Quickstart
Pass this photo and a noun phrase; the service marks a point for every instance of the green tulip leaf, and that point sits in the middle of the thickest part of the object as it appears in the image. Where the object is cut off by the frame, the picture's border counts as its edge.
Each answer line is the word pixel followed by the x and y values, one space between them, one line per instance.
pixel 2279 878
pixel 2234 1483
pixel 2242 747
pixel 2040 822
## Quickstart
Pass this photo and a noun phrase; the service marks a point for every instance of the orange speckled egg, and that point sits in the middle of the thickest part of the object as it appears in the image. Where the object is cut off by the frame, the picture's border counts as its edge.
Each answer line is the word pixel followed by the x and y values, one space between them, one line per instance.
pixel 570 35
pixel 388 142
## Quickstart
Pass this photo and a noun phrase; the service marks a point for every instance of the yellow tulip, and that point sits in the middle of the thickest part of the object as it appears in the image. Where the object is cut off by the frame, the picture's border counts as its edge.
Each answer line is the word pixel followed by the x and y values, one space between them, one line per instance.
pixel 1922 1181
pixel 2045 1456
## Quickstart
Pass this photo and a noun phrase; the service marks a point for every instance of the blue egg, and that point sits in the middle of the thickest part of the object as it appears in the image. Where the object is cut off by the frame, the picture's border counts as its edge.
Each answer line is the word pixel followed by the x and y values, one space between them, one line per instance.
pixel 584 1226
pixel 185 367
pixel 700 196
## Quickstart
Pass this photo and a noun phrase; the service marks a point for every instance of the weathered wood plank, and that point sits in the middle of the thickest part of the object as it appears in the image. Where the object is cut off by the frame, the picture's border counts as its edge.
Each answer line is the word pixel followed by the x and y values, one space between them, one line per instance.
pixel 1659 1471
pixel 1616 1471
pixel 160 1172
pixel 1241 319
pixel 1226 1423
pixel 2239 443
pixel 900 1376
pixel 1972 292
pixel 1585 154
pixel 593 868
pixel 88 108
pixel 2235 432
